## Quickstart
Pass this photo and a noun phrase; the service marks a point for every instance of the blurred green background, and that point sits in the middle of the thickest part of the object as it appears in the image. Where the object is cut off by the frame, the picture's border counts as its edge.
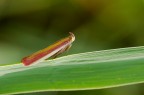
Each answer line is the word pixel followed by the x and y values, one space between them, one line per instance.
pixel 27 26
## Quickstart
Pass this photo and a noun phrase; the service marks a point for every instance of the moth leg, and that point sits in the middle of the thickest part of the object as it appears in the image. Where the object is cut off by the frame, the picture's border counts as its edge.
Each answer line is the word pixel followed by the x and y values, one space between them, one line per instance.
pixel 61 51
pixel 57 54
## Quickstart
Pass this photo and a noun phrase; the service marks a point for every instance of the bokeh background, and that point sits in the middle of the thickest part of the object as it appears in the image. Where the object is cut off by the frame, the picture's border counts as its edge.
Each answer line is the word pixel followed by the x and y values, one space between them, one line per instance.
pixel 27 26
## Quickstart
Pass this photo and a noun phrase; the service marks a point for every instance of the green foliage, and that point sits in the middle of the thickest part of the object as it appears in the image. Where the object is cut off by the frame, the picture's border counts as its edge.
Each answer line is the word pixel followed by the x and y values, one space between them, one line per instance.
pixel 91 70
pixel 27 26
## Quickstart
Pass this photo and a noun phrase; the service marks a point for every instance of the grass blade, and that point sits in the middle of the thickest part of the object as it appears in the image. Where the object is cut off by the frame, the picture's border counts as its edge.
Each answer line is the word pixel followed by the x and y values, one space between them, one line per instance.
pixel 92 70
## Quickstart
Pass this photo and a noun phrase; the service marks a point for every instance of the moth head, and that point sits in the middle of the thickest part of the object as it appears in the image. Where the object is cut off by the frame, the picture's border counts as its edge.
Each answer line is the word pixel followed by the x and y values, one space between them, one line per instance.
pixel 72 36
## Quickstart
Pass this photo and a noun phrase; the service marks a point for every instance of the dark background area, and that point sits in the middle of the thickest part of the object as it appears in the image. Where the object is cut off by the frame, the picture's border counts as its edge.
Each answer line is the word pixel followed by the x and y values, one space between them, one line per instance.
pixel 27 26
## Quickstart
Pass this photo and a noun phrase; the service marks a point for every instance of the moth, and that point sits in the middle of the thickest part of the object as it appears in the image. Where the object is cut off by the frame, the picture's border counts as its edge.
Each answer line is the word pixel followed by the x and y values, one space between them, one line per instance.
pixel 51 51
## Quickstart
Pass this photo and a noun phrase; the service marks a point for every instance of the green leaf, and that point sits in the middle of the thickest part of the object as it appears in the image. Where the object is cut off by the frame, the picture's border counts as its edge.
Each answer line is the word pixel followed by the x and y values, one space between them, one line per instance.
pixel 92 70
